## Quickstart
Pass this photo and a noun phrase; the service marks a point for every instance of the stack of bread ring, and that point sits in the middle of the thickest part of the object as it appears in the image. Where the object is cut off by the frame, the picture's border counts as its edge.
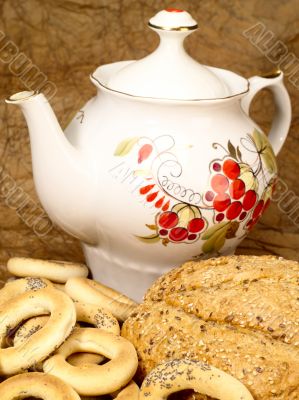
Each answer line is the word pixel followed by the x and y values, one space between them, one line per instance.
pixel 60 339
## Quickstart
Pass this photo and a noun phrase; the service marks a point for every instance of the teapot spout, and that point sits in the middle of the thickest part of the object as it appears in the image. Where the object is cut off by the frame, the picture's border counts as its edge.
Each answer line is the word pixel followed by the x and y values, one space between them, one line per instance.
pixel 62 175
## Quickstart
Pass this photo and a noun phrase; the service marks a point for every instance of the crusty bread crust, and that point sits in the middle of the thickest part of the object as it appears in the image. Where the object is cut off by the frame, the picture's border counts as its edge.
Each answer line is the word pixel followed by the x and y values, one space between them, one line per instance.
pixel 240 314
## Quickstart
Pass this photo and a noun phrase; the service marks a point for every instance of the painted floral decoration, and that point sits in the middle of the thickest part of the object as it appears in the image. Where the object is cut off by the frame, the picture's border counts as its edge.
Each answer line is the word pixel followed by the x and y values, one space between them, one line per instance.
pixel 236 196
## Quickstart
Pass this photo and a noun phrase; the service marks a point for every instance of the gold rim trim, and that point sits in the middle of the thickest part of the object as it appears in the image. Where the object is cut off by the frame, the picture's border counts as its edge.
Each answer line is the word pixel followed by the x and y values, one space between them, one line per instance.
pixel 167 99
pixel 272 74
pixel 179 28
pixel 10 99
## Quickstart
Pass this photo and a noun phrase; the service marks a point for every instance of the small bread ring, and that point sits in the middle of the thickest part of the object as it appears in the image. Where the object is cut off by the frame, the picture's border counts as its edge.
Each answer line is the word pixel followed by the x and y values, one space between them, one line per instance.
pixel 42 343
pixel 85 313
pixel 96 316
pixel 56 271
pixel 88 313
pixel 42 386
pixel 78 359
pixel 19 286
pixel 177 375
pixel 87 290
pixel 130 392
pixel 29 327
pixel 93 380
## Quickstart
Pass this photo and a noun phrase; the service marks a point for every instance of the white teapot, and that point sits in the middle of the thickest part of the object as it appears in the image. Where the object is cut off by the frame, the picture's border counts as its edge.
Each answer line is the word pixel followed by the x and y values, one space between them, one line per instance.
pixel 162 165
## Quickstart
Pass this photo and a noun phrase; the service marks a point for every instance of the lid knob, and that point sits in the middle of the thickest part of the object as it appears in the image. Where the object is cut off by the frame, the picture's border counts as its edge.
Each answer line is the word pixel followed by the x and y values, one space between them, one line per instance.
pixel 169 72
pixel 173 19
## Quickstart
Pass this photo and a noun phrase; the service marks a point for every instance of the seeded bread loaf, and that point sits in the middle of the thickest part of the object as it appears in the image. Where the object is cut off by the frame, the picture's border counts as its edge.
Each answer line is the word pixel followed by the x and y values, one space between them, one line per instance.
pixel 240 314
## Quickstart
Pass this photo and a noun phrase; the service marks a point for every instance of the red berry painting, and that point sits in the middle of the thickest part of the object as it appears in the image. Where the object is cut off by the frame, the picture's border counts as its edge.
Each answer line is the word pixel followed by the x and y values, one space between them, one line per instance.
pixel 236 195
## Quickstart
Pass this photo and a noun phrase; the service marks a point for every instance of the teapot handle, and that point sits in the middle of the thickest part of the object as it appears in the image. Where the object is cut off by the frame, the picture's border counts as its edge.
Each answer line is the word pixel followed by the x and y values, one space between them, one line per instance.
pixel 283 112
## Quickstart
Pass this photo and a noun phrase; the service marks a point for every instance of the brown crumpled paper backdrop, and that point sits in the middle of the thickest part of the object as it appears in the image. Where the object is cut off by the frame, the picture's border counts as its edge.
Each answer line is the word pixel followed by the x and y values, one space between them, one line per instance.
pixel 68 39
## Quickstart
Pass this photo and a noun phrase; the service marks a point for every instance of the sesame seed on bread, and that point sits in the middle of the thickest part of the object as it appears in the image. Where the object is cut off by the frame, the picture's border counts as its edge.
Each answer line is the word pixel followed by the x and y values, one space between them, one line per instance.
pixel 238 313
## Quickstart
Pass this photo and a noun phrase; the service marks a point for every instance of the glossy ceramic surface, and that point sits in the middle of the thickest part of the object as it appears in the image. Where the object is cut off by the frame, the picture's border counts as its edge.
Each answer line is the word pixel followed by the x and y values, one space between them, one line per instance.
pixel 148 183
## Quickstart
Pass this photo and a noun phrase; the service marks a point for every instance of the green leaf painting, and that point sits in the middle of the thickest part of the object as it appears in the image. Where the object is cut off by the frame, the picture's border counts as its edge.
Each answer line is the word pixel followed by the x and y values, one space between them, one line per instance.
pixel 125 146
pixel 265 150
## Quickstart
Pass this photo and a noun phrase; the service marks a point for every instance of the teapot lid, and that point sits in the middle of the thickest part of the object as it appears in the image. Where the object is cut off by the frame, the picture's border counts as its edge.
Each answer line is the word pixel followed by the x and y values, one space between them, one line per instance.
pixel 169 72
